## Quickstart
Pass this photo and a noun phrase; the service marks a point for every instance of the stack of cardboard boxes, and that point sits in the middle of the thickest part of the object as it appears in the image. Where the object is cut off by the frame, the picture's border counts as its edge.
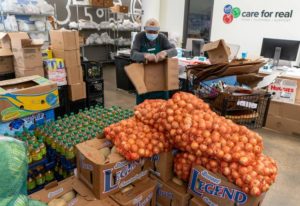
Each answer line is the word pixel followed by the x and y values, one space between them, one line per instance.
pixel 65 45
pixel 27 56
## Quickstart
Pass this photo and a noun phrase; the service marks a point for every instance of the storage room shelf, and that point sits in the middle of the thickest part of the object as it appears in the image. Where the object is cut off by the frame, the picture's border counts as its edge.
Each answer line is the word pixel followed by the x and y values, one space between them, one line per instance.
pixel 25 14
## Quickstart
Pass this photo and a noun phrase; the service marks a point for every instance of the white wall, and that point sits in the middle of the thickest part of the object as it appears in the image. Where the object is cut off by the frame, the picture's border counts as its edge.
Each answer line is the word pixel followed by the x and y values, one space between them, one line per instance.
pixel 172 16
pixel 151 9
pixel 249 32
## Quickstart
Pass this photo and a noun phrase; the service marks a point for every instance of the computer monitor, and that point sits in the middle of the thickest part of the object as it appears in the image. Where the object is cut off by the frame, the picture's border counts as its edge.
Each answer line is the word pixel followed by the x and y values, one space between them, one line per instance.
pixel 197 46
pixel 280 49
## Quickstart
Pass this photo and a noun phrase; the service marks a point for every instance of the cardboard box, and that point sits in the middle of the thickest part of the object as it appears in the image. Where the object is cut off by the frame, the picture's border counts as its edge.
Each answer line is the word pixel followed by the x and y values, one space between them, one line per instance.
pixel 6 61
pixel 142 193
pixel 28 58
pixel 29 122
pixel 47 54
pixel 218 51
pixel 71 58
pixel 25 96
pixel 152 77
pixel 64 40
pixel 98 3
pixel 21 72
pixel 119 9
pixel 55 71
pixel 283 90
pixel 77 91
pixel 84 196
pixel 105 179
pixel 284 118
pixel 74 75
pixel 171 194
pixel 196 202
pixel 161 165
pixel 108 3
pixel 215 189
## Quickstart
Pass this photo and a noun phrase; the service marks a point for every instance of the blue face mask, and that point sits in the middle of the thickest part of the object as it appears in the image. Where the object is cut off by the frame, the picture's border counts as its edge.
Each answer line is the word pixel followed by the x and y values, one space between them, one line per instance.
pixel 151 37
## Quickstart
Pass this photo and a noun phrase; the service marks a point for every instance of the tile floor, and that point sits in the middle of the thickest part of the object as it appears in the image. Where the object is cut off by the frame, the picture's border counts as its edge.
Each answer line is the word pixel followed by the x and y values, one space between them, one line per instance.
pixel 284 149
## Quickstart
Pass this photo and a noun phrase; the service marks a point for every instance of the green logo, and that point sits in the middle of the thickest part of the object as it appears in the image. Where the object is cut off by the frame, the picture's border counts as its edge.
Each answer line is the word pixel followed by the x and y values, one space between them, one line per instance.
pixel 236 12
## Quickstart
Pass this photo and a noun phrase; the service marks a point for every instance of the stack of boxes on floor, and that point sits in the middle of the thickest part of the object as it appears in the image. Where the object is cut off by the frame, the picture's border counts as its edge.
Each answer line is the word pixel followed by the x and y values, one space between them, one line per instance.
pixel 27 57
pixel 65 45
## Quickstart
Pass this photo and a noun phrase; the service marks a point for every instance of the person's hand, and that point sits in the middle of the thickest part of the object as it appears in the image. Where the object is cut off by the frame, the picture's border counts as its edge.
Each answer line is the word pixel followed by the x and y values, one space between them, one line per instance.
pixel 150 57
pixel 161 56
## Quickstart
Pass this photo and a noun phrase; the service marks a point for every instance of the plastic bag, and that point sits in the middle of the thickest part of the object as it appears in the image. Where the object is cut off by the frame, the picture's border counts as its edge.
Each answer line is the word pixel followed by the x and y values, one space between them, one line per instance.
pixel 12 6
pixel 73 25
pixel 13 173
pixel 10 23
pixel 45 8
pixel 40 25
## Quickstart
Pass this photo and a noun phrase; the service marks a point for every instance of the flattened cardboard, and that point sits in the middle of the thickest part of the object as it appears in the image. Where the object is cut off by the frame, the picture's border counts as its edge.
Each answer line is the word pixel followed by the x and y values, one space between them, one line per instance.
pixel 204 185
pixel 71 58
pixel 25 96
pixel 77 91
pixel 84 196
pixel 6 61
pixel 108 3
pixel 142 193
pixel 171 194
pixel 162 76
pixel 218 51
pixel 96 3
pixel 196 202
pixel 21 72
pixel 64 39
pixel 105 179
pixel 161 166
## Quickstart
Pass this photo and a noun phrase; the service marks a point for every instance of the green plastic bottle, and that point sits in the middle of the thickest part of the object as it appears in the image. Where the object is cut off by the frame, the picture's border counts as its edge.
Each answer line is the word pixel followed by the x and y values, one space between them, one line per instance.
pixel 36 153
pixel 40 177
pixel 70 153
pixel 42 147
pixel 49 176
pixel 31 184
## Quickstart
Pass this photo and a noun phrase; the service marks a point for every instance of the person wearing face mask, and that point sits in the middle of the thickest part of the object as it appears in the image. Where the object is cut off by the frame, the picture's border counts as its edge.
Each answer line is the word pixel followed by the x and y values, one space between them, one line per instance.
pixel 152 46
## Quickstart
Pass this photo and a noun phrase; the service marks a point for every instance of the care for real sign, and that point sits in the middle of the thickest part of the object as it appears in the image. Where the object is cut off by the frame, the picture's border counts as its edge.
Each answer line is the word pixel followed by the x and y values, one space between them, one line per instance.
pixel 247 22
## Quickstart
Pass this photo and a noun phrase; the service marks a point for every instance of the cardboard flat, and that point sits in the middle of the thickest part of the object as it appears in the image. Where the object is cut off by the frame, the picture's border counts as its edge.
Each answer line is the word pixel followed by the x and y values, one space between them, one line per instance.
pixel 25 96
pixel 119 9
pixel 98 3
pixel 105 179
pixel 161 165
pixel 6 61
pixel 142 193
pixel 71 57
pixel 196 202
pixel 108 3
pixel 64 40
pixel 171 194
pixel 162 76
pixel 84 196
pixel 21 72
pixel 218 51
pixel 215 189
pixel 77 91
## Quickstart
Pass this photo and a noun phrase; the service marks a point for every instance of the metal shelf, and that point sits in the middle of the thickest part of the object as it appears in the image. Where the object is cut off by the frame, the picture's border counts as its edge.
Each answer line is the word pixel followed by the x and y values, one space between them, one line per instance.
pixel 96 45
pixel 26 14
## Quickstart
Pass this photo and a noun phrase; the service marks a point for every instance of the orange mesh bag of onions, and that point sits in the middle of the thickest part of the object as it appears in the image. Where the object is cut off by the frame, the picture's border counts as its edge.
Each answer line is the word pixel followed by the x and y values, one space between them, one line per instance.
pixel 134 139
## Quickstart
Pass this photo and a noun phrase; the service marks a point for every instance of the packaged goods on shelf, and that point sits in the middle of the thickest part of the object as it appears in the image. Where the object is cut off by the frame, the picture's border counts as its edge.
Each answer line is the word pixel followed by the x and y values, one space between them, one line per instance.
pixel 25 96
pixel 55 71
pixel 47 54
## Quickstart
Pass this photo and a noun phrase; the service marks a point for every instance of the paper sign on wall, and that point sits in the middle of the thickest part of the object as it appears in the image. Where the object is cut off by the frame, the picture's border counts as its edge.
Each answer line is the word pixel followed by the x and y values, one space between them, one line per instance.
pixel 283 90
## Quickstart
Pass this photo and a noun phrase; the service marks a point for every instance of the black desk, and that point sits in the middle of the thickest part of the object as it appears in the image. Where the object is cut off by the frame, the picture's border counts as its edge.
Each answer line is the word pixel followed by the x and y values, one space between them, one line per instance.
pixel 123 82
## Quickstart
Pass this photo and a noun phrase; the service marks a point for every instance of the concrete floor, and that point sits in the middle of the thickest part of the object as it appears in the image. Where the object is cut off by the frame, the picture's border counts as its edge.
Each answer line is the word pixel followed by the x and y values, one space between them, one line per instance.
pixel 284 149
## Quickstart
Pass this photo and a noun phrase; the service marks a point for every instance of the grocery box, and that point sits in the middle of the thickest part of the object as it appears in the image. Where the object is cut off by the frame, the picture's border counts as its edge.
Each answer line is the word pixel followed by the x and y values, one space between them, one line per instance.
pixel 55 71
pixel 81 196
pixel 74 74
pixel 26 51
pixel 284 118
pixel 215 189
pixel 47 54
pixel 102 178
pixel 21 72
pixel 29 122
pixel 161 165
pixel 196 202
pixel 108 3
pixel 77 91
pixel 152 77
pixel 138 193
pixel 172 194
pixel 25 96
pixel 71 58
pixel 64 40
pixel 283 90
pixel 6 61
pixel 218 51
pixel 119 9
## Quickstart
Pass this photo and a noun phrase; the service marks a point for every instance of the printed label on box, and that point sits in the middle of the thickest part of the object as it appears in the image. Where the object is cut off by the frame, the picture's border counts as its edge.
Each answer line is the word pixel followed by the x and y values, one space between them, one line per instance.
pixel 283 90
